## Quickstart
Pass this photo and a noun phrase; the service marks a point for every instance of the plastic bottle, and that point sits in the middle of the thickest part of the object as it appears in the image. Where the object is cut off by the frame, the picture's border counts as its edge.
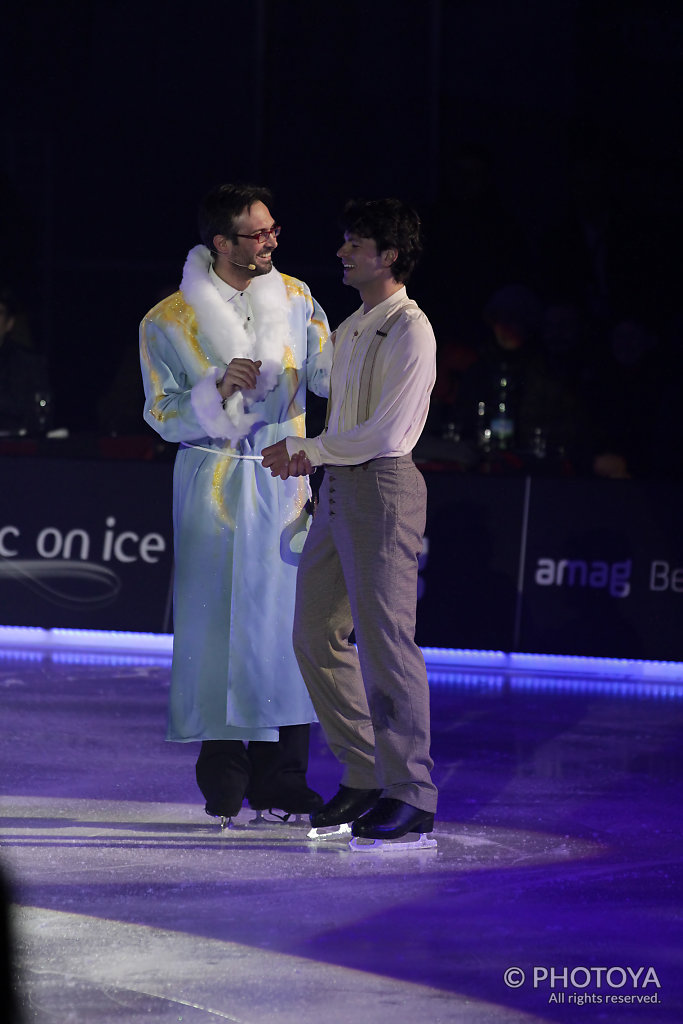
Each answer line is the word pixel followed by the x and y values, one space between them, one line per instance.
pixel 502 424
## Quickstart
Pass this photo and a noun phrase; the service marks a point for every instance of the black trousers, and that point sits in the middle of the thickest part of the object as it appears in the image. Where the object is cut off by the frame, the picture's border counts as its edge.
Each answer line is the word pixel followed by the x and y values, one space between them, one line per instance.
pixel 267 774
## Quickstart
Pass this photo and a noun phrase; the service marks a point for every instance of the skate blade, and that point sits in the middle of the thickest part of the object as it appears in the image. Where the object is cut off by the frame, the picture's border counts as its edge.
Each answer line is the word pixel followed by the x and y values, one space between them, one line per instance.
pixel 401 845
pixel 284 818
pixel 329 831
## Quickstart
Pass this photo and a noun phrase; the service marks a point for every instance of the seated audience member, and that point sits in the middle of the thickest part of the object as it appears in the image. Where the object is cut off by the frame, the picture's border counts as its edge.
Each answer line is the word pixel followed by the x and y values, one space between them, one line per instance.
pixel 611 466
pixel 625 399
pixel 514 379
pixel 24 391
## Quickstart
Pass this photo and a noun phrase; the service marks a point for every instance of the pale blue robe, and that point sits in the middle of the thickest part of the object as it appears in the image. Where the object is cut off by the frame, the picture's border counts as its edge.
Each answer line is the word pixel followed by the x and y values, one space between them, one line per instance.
pixel 238 531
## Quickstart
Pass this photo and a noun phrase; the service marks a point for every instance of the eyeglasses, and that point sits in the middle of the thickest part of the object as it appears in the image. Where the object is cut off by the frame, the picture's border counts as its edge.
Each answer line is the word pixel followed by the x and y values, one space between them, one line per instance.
pixel 262 235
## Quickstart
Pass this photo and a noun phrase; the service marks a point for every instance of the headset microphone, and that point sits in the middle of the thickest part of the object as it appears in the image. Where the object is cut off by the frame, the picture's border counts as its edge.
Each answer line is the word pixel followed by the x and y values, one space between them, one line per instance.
pixel 244 266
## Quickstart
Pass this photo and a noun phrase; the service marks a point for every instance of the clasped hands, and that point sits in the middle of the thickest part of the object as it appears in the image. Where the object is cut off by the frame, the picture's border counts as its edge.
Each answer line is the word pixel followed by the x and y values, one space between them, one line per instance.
pixel 277 459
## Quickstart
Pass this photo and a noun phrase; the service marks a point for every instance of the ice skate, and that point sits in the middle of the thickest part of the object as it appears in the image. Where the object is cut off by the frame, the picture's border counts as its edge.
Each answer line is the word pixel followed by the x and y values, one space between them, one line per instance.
pixel 393 825
pixel 404 844
pixel 225 819
pixel 330 831
pixel 278 790
pixel 334 818
pixel 287 806
pixel 222 776
pixel 277 816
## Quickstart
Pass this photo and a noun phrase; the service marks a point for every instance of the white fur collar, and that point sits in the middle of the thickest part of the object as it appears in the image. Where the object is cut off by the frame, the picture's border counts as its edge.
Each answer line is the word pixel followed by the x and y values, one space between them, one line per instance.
pixel 219 323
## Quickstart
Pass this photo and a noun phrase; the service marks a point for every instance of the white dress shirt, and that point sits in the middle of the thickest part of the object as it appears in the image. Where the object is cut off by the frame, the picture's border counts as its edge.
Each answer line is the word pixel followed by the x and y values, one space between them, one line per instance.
pixel 402 380
pixel 238 300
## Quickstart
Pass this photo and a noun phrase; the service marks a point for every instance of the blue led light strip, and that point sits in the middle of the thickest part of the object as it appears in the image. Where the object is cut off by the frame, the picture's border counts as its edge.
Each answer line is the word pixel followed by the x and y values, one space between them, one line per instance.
pixel 440 661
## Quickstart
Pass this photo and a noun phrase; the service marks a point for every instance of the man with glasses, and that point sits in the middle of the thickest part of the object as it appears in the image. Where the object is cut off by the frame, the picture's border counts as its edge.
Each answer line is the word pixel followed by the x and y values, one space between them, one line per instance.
pixel 358 570
pixel 226 362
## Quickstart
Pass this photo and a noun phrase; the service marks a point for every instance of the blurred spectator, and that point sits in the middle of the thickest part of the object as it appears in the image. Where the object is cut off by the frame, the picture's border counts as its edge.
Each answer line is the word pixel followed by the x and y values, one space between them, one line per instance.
pixel 452 361
pixel 625 397
pixel 119 407
pixel 515 396
pixel 568 349
pixel 611 466
pixel 25 396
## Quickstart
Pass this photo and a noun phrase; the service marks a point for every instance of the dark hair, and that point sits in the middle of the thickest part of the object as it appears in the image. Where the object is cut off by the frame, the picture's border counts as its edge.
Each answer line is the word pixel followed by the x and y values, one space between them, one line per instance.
pixel 392 224
pixel 219 208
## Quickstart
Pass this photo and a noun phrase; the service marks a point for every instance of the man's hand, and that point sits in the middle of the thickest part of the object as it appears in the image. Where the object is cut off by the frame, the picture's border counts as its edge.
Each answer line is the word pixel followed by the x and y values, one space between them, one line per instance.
pixel 300 465
pixel 241 374
pixel 276 459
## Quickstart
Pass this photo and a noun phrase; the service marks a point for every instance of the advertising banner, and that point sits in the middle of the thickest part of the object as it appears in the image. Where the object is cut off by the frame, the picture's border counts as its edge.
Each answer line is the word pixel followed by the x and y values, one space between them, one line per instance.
pixel 470 562
pixel 603 569
pixel 85 545
pixel 577 567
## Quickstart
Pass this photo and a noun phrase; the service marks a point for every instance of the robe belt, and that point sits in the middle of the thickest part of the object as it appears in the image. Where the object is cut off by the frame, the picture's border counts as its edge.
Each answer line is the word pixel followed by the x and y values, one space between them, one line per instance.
pixel 220 451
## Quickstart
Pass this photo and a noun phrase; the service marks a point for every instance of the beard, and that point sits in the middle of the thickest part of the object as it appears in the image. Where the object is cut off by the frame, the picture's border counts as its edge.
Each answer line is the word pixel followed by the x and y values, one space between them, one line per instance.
pixel 262 268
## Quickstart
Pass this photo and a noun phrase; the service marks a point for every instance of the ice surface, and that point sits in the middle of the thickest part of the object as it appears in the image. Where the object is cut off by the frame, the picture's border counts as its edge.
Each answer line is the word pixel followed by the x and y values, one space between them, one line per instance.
pixel 558 842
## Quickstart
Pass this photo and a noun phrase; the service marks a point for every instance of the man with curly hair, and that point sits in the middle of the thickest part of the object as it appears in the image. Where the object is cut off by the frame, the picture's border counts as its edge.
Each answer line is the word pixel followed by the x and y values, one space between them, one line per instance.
pixel 359 566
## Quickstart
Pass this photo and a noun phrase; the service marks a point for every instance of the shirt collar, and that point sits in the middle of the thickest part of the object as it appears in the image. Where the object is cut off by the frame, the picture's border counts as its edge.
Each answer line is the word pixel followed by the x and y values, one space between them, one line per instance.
pixel 384 308
pixel 225 290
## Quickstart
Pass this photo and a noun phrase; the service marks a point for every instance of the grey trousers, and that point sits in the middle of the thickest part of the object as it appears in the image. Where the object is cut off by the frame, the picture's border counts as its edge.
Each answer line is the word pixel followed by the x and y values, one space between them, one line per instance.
pixel 358 571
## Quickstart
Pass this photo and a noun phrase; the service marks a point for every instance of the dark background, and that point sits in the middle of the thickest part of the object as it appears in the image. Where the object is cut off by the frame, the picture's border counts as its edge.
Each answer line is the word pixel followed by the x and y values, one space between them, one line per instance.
pixel 118 118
